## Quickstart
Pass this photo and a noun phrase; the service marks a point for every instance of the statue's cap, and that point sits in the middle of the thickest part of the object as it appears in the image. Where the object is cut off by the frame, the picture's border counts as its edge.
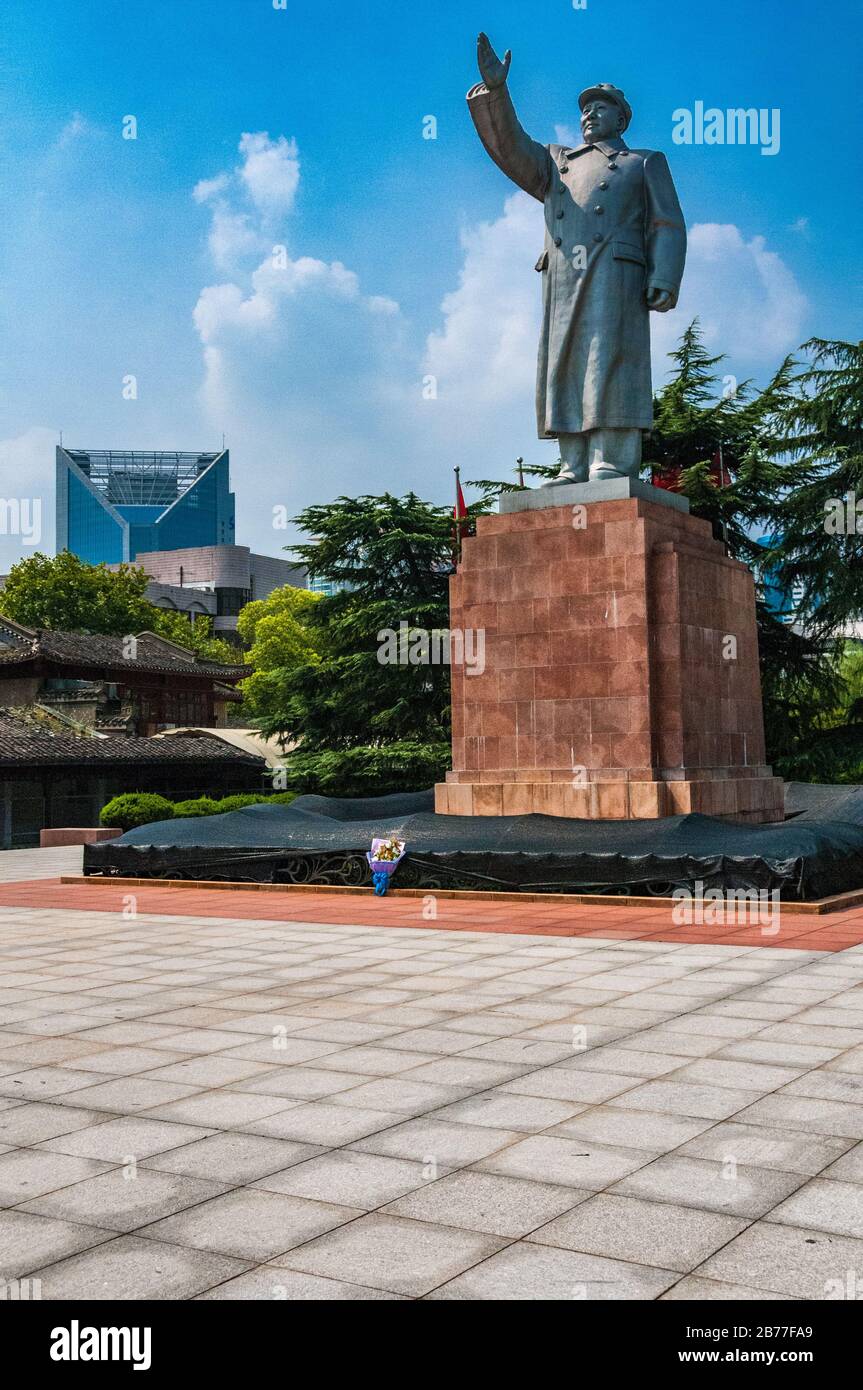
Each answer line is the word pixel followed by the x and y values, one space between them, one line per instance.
pixel 604 91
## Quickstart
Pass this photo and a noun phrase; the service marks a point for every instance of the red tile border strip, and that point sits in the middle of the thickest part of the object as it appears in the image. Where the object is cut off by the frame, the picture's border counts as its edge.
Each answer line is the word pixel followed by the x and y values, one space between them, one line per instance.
pixel 572 919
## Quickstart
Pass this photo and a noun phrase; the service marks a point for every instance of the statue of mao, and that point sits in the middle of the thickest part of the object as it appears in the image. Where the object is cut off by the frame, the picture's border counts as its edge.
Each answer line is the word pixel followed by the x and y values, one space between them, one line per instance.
pixel 615 246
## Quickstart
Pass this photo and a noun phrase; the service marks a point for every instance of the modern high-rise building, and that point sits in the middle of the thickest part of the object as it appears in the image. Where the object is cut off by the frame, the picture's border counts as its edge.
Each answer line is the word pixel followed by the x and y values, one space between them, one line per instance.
pixel 113 504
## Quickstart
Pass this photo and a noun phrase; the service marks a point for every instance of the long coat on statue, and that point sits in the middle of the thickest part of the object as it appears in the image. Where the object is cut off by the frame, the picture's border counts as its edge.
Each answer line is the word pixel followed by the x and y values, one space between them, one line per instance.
pixel 613 227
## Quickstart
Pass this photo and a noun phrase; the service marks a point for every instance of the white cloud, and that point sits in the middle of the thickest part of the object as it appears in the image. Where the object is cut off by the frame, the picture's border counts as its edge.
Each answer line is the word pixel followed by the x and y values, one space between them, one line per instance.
pixel 746 299
pixel 486 351
pixel 270 171
pixel 205 189
pixel 303 370
pixel 232 237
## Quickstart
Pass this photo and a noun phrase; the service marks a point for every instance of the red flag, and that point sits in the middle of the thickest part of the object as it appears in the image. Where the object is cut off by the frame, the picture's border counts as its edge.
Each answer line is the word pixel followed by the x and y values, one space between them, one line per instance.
pixel 669 481
pixel 459 511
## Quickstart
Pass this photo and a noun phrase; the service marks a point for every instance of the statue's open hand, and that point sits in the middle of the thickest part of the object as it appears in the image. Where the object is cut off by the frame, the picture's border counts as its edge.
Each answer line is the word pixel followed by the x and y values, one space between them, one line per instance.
pixel 659 300
pixel 492 71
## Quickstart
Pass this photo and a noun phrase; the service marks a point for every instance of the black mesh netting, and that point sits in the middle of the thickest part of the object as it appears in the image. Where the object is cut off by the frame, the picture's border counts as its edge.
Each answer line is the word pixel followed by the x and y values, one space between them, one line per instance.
pixel 319 839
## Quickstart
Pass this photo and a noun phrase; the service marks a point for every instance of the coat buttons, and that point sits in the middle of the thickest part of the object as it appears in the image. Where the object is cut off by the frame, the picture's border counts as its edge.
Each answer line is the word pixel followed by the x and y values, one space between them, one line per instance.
pixel 564 168
pixel 603 185
pixel 612 165
pixel 558 241
pixel 598 237
pixel 558 215
pixel 598 209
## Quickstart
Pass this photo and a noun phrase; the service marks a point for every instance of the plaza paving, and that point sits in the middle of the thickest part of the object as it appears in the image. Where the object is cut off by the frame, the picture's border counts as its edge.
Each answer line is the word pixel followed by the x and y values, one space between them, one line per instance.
pixel 218 1107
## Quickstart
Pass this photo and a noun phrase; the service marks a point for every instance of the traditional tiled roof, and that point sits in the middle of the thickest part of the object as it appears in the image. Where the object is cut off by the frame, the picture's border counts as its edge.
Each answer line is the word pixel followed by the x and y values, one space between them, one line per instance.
pixel 152 653
pixel 27 740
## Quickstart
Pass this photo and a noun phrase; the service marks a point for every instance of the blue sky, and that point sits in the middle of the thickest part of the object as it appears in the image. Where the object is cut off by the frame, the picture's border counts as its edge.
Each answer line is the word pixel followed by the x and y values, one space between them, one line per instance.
pixel 405 257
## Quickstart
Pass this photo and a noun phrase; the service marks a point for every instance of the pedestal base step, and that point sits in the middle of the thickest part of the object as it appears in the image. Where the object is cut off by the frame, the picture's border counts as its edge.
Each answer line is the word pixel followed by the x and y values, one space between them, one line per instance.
pixel 751 799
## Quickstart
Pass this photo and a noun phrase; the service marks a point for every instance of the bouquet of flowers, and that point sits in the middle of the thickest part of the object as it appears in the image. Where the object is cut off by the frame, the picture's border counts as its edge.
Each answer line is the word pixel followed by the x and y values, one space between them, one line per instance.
pixel 383 858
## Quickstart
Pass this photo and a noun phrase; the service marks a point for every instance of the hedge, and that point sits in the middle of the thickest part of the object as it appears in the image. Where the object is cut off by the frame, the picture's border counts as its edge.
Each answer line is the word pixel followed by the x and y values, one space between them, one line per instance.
pixel 141 808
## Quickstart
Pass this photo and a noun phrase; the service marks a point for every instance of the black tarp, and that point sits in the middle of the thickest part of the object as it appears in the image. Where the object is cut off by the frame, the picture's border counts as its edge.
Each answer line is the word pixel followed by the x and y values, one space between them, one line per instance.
pixel 320 839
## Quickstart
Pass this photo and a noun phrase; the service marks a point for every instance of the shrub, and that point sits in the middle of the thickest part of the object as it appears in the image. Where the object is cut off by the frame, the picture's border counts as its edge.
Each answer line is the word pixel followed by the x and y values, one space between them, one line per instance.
pixel 139 808
pixel 242 799
pixel 198 806
pixel 236 802
pixel 136 808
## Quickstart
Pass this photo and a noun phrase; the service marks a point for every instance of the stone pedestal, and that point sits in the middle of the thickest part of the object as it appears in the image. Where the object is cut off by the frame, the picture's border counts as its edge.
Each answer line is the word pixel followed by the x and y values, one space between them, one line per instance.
pixel 620 671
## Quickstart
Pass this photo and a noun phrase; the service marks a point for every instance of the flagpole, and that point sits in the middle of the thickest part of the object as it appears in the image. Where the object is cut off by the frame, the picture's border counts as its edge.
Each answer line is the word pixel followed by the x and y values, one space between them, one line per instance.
pixel 457 471
pixel 722 485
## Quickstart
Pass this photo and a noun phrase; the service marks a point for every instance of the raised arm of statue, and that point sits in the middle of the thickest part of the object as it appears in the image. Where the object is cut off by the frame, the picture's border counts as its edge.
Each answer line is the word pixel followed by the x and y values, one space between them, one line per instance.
pixel 522 159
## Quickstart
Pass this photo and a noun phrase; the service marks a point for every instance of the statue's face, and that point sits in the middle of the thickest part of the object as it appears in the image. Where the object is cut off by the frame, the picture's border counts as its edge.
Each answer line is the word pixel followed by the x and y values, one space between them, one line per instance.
pixel 600 120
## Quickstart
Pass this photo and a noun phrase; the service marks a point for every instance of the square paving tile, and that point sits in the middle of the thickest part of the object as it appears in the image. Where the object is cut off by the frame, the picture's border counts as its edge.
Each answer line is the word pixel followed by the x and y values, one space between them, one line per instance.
pixel 228 1157
pixel 125 1094
pixel 848 1168
pixel 632 1129
pixel 44 1083
pixel 129 1136
pixel 389 1252
pixel 348 1178
pixel 789 1260
pixel 320 1123
pixel 534 1272
pixel 569 1162
pixel 747 1076
pixel 270 1282
pixel 27 1242
pixel 209 1071
pixel 784 1111
pixel 646 1233
pixel 486 1202
pixel 250 1224
pixel 221 1109
pixel 762 1146
pixel 122 1203
pixel 687 1098
pixel 399 1093
pixel 696 1182
pixel 502 1110
pixel 695 1290
pixel 26 1173
pixel 135 1269
pixel 34 1121
pixel 824 1205
pixel 299 1083
pixel 565 1083
pixel 442 1142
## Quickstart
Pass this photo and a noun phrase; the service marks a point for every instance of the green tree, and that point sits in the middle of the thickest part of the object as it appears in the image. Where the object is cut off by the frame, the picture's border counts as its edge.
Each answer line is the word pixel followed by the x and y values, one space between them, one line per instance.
pixel 197 636
pixel 393 555
pixel 696 415
pixel 279 638
pixel 67 595
pixel 819 440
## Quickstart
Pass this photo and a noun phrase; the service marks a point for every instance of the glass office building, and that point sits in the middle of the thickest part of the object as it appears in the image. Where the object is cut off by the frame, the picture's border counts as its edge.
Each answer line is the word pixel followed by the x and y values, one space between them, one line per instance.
pixel 113 504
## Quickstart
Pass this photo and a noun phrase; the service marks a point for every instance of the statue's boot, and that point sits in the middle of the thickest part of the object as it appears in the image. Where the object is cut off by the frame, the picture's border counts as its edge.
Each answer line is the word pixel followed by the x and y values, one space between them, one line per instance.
pixel 566 475
pixel 574 466
pixel 614 454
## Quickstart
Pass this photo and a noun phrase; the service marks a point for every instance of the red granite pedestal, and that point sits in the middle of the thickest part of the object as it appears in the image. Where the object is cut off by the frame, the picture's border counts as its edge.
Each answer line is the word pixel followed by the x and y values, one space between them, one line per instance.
pixel 620 671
